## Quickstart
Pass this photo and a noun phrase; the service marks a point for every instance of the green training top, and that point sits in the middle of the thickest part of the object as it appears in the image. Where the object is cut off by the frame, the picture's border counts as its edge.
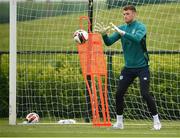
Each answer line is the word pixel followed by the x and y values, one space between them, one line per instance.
pixel 133 44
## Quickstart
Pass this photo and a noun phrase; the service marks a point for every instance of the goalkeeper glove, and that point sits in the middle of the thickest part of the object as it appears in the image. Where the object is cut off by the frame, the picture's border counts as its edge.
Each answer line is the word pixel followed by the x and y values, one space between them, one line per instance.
pixel 121 32
pixel 101 28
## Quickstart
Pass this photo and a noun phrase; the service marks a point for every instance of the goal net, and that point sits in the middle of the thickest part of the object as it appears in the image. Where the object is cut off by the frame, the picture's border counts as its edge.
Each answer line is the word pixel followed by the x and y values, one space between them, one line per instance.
pixel 49 79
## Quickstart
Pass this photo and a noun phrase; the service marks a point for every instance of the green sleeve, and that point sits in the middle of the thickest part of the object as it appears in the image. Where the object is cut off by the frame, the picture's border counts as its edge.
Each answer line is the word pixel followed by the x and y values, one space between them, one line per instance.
pixel 139 34
pixel 109 40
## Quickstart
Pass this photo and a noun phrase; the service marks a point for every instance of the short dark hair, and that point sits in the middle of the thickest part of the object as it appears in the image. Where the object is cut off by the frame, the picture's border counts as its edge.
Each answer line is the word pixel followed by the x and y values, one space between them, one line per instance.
pixel 129 7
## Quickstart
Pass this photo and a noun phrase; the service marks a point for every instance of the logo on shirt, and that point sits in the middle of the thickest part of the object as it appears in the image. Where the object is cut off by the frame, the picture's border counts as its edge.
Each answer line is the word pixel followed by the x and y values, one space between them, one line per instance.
pixel 133 31
pixel 145 78
pixel 121 77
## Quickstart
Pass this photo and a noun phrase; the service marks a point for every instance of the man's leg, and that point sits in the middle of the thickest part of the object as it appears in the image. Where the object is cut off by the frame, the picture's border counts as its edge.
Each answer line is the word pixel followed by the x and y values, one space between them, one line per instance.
pixel 144 77
pixel 125 79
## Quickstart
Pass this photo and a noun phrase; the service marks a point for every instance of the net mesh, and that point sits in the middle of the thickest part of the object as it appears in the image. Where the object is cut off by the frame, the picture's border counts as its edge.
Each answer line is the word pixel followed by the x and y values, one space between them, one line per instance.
pixel 49 77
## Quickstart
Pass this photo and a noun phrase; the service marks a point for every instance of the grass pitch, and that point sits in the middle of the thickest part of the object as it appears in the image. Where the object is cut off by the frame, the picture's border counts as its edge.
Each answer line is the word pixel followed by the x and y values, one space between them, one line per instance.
pixel 140 129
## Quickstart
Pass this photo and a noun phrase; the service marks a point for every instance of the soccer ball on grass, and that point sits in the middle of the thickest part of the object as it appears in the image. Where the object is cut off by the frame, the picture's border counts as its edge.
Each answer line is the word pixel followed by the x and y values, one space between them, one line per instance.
pixel 32 118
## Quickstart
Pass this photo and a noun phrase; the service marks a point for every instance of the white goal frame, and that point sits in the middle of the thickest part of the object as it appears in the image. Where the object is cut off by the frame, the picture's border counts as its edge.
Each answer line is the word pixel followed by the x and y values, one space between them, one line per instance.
pixel 12 63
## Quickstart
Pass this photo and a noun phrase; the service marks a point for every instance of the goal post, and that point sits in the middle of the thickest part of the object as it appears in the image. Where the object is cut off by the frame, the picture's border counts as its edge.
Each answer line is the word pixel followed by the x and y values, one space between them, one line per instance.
pixel 12 64
pixel 45 75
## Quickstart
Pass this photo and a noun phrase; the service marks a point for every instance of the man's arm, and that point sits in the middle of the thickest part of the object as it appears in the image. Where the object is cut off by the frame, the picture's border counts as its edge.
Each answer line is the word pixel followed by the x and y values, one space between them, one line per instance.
pixel 138 36
pixel 103 29
pixel 109 40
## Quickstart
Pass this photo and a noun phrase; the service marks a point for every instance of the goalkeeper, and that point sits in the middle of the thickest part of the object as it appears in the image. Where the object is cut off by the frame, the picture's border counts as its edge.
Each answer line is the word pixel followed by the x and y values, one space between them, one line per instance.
pixel 133 39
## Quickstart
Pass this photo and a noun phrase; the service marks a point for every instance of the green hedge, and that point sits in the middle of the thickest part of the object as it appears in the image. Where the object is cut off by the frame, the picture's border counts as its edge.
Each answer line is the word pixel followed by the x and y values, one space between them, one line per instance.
pixel 4 12
pixel 49 80
pixel 4 95
pixel 120 3
pixel 55 82
pixel 44 9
